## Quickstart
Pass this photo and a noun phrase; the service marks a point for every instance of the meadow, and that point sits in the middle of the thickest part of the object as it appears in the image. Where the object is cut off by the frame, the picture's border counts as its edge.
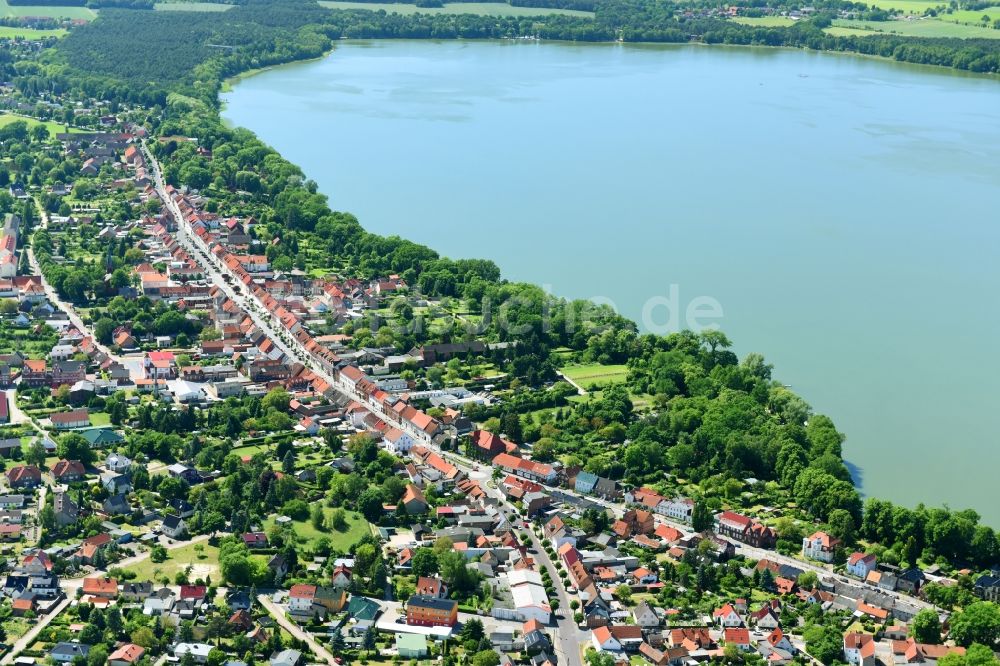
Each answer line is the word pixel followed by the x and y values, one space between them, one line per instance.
pixel 84 13
pixel 594 374
pixel 477 8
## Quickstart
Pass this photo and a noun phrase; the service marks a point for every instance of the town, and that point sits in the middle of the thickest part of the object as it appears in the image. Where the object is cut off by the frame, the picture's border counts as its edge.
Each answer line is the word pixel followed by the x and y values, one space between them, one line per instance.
pixel 216 451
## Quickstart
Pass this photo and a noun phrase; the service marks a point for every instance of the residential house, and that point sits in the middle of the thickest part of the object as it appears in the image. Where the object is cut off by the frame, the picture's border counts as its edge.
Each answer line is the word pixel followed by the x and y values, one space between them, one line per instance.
pixel 174 526
pixel 66 652
pixel 24 476
pixel 859 649
pixel 67 471
pixel 860 564
pixel 431 612
pixel 820 546
pixel 745 529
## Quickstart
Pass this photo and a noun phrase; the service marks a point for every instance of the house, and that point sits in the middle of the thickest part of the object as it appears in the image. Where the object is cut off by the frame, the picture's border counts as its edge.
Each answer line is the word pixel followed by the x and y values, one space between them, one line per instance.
pixel 284 658
pixel 738 636
pixel 78 418
pixel 117 505
pixel 194 593
pixel 604 641
pixel 159 602
pixel 90 547
pixel 181 507
pixel 115 462
pixel 397 441
pixel 139 591
pixel 300 599
pixel 255 540
pixel 485 445
pixel 726 616
pixel 645 616
pixel 432 587
pixel 859 649
pixel 766 617
pixel 820 546
pixel 24 476
pixel 431 612
pixel 411 646
pixel 65 652
pixel 239 600
pixel 198 651
pixel 106 588
pixel 116 484
pixel 909 581
pixel 67 471
pixel 860 564
pixel 528 469
pixel 988 587
pixel 174 526
pixel 278 566
pixel 617 637
pixel 413 500
pixel 745 529
pixel 101 437
pixel 341 576
pixel 778 641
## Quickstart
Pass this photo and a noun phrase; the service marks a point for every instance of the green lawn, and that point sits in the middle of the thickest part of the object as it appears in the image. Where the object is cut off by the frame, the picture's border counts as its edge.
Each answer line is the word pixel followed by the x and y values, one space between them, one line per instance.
pixel 922 28
pixel 910 6
pixel 191 7
pixel 54 127
pixel 848 32
pixel 51 12
pixel 357 527
pixel 766 21
pixel 971 15
pixel 201 557
pixel 594 374
pixel 100 419
pixel 478 8
pixel 10 32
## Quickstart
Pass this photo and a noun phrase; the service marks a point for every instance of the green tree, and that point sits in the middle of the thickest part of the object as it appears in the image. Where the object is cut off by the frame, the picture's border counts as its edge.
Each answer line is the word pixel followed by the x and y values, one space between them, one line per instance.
pixel 73 446
pixel 370 504
pixel 926 627
pixel 701 517
pixel 979 622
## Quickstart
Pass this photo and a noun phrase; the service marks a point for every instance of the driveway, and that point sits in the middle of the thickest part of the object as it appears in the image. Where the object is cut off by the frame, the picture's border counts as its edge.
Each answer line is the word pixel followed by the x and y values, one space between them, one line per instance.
pixel 295 630
pixel 24 641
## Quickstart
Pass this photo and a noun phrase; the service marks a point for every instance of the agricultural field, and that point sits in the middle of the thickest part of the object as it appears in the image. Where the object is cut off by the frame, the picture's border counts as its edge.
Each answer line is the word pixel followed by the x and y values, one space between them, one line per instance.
pixel 191 7
pixel 11 32
pixel 54 127
pixel 908 6
pixel 595 375
pixel 477 8
pixel 202 558
pixel 765 21
pixel 928 27
pixel 306 534
pixel 84 13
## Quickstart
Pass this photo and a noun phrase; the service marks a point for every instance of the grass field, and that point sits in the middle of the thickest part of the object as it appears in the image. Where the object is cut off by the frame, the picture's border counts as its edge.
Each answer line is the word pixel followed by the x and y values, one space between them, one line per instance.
pixel 964 16
pixel 922 28
pixel 100 419
pixel 54 127
pixel 766 21
pixel 191 7
pixel 201 557
pixel 305 533
pixel 478 8
pixel 595 374
pixel 911 6
pixel 10 32
pixel 51 12
pixel 848 32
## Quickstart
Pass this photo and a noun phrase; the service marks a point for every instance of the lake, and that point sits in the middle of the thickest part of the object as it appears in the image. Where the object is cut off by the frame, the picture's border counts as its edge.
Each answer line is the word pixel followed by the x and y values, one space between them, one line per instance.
pixel 840 211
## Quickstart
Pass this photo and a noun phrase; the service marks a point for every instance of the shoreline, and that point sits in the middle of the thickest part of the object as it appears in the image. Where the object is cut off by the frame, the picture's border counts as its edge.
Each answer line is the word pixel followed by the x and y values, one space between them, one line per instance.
pixel 853 466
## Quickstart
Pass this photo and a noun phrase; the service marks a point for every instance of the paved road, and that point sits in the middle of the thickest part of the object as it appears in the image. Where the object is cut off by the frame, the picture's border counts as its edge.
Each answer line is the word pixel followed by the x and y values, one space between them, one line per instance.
pixel 295 630
pixel 24 641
